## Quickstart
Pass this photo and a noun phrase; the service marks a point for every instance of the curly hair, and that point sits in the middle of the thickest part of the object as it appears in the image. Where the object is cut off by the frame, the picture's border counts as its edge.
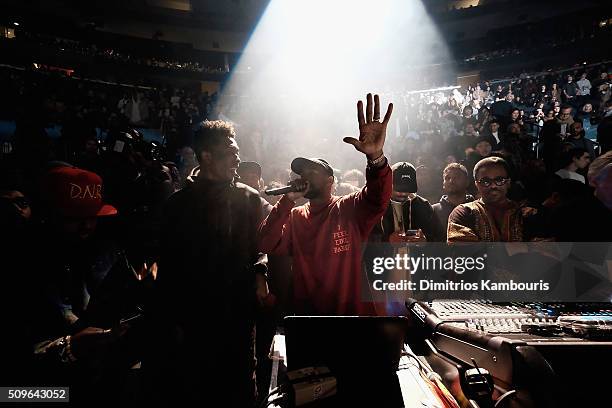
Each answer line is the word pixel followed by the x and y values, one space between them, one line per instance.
pixel 210 134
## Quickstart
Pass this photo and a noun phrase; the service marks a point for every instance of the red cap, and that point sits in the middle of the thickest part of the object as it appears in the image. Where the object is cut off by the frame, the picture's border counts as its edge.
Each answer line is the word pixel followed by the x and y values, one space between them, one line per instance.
pixel 74 192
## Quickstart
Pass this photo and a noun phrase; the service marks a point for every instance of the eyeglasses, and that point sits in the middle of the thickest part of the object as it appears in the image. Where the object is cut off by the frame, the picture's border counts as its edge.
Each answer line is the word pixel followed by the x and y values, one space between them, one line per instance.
pixel 499 181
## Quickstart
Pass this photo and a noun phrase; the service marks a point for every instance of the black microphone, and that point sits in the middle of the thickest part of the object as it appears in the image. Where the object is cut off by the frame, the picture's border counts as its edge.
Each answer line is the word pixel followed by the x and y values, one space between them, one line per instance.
pixel 280 190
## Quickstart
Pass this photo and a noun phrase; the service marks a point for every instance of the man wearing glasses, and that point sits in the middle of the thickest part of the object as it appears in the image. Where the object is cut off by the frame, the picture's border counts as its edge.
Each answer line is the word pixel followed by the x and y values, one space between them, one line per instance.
pixel 493 217
pixel 565 119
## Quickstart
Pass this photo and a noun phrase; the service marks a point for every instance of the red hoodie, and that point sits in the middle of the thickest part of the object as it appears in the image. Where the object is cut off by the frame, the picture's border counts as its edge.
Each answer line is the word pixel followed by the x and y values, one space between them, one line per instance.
pixel 326 244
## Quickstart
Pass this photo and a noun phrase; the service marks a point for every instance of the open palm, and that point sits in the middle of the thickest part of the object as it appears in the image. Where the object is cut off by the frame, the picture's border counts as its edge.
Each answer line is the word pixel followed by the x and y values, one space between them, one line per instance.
pixel 372 133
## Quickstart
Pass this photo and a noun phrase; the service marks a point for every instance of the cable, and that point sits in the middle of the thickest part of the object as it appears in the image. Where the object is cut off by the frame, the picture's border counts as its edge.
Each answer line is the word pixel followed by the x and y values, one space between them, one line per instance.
pixel 504 396
pixel 433 379
pixel 483 377
pixel 414 357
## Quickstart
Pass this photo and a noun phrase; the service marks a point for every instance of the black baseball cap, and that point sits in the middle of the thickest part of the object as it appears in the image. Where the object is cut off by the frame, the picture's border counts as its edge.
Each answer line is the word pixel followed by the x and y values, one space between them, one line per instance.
pixel 299 164
pixel 404 178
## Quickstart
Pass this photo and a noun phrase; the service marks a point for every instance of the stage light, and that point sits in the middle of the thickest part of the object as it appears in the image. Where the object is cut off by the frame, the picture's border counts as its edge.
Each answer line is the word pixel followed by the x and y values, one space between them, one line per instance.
pixel 307 62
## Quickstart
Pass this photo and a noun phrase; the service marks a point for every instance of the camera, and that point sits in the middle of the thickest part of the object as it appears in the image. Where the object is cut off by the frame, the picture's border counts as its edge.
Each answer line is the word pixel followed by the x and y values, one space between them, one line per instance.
pixel 131 141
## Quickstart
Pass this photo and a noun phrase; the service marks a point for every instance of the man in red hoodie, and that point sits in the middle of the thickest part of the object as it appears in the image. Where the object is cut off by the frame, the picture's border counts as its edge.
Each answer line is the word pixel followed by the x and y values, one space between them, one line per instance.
pixel 325 235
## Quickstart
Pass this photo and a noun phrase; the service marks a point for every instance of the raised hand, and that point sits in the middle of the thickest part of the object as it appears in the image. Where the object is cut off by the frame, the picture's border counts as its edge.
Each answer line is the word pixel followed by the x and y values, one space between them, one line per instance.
pixel 372 132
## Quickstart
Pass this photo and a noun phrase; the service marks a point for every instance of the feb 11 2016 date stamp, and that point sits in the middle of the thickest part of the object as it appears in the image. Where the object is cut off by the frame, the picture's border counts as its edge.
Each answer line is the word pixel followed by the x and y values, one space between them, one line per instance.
pixel 34 394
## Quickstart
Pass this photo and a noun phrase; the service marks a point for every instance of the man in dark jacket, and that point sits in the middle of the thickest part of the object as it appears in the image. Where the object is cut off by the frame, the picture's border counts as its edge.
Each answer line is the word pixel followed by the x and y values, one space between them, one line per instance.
pixel 409 217
pixel 576 138
pixel 493 133
pixel 209 279
pixel 455 182
pixel 502 109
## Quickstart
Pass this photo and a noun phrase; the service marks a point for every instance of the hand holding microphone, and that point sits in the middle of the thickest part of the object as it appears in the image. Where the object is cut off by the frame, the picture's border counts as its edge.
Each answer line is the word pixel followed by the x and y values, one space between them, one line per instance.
pixel 295 190
pixel 301 188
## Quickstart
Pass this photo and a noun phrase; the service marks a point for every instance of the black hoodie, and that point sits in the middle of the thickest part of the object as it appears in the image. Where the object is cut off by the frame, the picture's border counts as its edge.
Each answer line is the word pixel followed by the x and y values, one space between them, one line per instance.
pixel 417 214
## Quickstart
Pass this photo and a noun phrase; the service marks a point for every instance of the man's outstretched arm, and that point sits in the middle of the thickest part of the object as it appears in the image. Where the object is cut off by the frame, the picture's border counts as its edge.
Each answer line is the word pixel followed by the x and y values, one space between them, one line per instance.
pixel 371 202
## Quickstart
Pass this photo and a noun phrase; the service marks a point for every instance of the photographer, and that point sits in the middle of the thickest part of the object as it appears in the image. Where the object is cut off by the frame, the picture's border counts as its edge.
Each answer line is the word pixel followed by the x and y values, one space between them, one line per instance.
pixel 83 287
pixel 139 182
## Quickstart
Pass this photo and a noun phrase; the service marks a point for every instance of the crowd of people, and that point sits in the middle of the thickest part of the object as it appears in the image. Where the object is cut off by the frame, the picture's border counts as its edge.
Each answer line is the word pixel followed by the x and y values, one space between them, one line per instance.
pixel 134 267
pixel 108 53
pixel 540 123
pixel 434 128
pixel 439 127
pixel 94 107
